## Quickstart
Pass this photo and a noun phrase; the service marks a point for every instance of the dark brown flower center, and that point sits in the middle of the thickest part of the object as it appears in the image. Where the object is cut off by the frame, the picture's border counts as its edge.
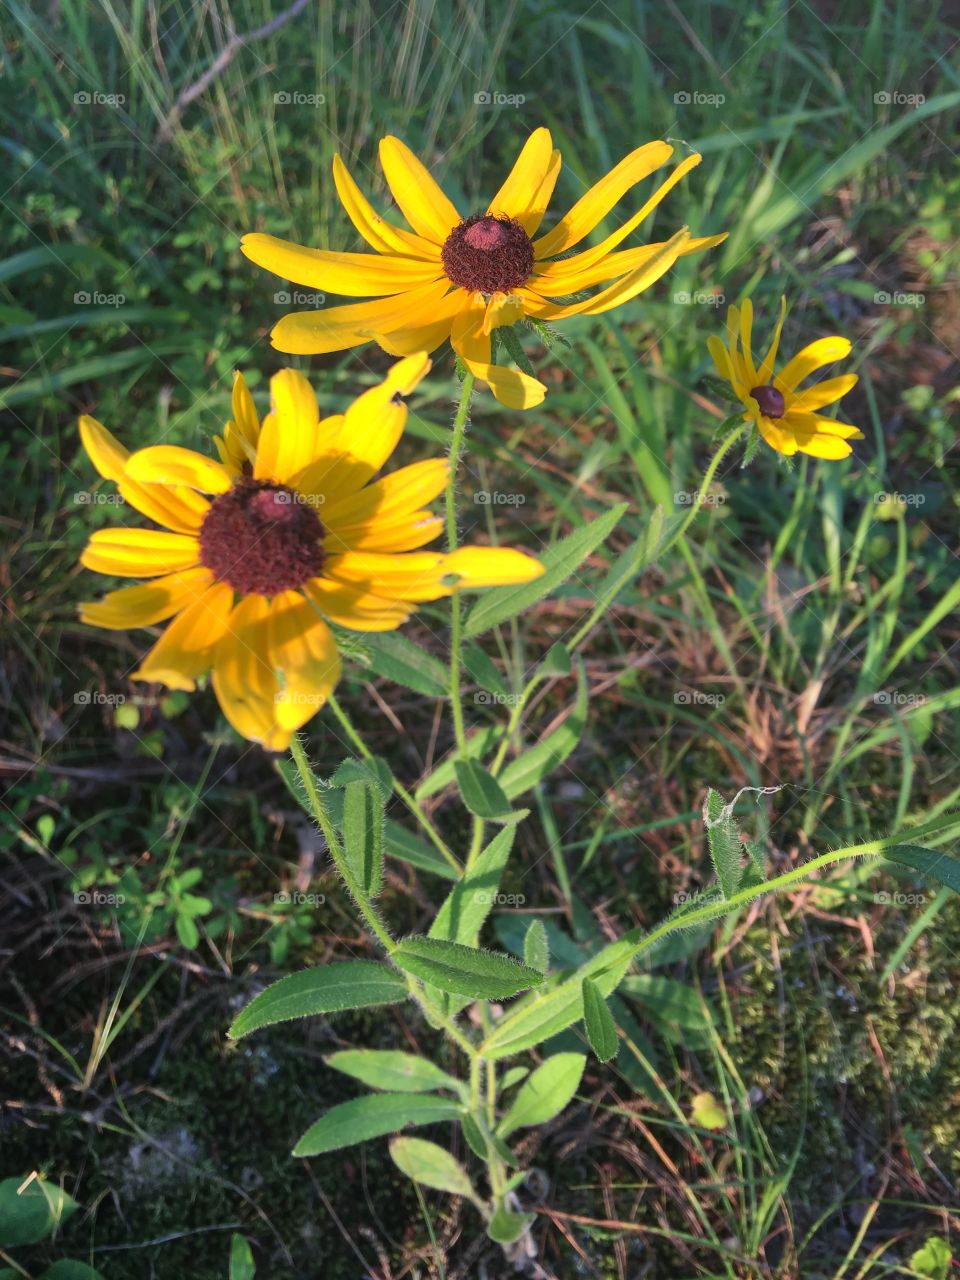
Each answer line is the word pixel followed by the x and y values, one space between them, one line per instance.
pixel 262 538
pixel 488 254
pixel 770 400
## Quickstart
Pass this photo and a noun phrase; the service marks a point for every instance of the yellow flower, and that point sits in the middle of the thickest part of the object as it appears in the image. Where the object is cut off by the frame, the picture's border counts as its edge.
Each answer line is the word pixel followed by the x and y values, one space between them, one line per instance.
pixel 786 418
pixel 461 278
pixel 286 531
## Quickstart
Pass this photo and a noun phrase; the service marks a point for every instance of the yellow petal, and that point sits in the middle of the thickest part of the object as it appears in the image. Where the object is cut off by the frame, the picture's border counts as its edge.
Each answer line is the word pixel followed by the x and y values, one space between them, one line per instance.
pixel 806 423
pixel 823 393
pixel 812 357
pixel 765 372
pixel 399 493
pixel 353 608
pixel 238 447
pixel 142 606
pixel 359 275
pixel 243 677
pixel 784 441
pixel 554 284
pixel 823 446
pixel 721 358
pixel 403 533
pixel 304 652
pixel 336 328
pixel 288 438
pixel 518 195
pixel 170 464
pixel 513 388
pixel 541 201
pixel 429 575
pixel 140 553
pixel 378 233
pixel 185 650
pixel 418 196
pixel 594 206
pixel 503 310
pixel 746 336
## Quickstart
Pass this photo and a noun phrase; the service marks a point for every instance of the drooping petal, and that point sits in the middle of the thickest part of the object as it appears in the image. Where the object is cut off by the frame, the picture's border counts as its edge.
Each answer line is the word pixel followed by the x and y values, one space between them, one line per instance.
pixel 289 436
pixel 336 328
pixel 823 393
pixel 518 195
pixel 185 650
pixel 302 649
pixel 595 204
pixel 143 605
pixel 614 266
pixel 378 233
pixel 804 422
pixel 512 387
pixel 358 275
pixel 418 196
pixel 140 553
pixel 812 357
pixel 430 575
pixel 243 678
pixel 399 493
pixel 170 464
pixel 354 608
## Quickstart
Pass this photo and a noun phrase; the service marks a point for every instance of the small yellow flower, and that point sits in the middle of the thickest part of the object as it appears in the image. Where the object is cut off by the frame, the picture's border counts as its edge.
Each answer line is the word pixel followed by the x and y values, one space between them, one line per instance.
pixel 288 530
pixel 461 278
pixel 786 418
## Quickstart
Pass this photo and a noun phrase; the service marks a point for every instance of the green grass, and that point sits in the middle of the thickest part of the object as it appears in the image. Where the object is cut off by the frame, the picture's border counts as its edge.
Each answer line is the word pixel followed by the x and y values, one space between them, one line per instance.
pixel 804 636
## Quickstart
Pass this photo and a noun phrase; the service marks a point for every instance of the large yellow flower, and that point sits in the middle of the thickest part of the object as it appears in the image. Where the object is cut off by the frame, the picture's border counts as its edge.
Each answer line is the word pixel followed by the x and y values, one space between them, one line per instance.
pixel 285 531
pixel 786 417
pixel 461 278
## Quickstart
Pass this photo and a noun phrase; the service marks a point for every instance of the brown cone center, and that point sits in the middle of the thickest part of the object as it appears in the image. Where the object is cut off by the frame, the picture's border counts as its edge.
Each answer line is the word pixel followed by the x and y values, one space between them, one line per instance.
pixel 770 400
pixel 262 538
pixel 487 254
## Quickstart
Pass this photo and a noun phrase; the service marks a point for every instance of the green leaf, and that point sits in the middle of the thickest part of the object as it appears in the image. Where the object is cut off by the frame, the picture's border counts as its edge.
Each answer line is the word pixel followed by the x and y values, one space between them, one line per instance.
pixel 398 659
pixel 545 1093
pixel 393 1070
pixel 560 562
pixel 536 947
pixel 327 988
pixel 431 1166
pixel 33 1215
pixel 557 662
pixel 507 1228
pixel 474 1136
pixel 241 1259
pixel 726 851
pixel 929 862
pixel 70 1269
pixel 674 1005
pixel 477 745
pixel 462 915
pixel 534 765
pixel 363 833
pixel 484 975
pixel 707 1112
pixel 598 1021
pixel 481 792
pixel 373 770
pixel 932 1260
pixel 480 666
pixel 403 844
pixel 363 1118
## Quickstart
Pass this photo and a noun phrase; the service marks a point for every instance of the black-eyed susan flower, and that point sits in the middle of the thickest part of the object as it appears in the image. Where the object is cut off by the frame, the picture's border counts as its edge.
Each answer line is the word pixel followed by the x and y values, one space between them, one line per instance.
pixel 462 278
pixel 786 416
pixel 287 531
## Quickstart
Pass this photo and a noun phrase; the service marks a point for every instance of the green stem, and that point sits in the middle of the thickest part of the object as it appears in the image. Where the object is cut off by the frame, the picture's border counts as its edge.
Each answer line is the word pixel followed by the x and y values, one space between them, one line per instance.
pixel 450 502
pixel 401 791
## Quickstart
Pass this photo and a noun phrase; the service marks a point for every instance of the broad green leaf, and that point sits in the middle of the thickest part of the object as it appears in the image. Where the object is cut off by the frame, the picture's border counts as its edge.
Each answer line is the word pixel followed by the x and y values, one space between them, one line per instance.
pixel 536 947
pixel 398 659
pixel 327 988
pixel 557 661
pixel 241 1259
pixel 707 1112
pixel 481 792
pixel 560 562
pixel 33 1215
pixel 726 851
pixel 70 1269
pixel 534 765
pixel 478 745
pixel 393 1070
pixel 462 915
pixel 929 862
pixel 431 1166
pixel 484 975
pixel 363 833
pixel 506 1227
pixel 932 1260
pixel 544 1093
pixel 406 846
pixel 598 1022
pixel 480 666
pixel 363 1118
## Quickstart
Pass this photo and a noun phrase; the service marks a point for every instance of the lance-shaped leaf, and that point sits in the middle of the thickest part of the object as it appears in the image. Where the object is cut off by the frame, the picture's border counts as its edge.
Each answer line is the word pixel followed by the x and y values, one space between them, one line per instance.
pixel 396 658
pixel 363 1118
pixel 484 975
pixel 929 862
pixel 327 988
pixel 403 844
pixel 363 833
pixel 726 851
pixel 536 947
pixel 462 915
pixel 432 1166
pixel 393 1071
pixel 545 1093
pixel 32 1210
pixel 481 792
pixel 598 1022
